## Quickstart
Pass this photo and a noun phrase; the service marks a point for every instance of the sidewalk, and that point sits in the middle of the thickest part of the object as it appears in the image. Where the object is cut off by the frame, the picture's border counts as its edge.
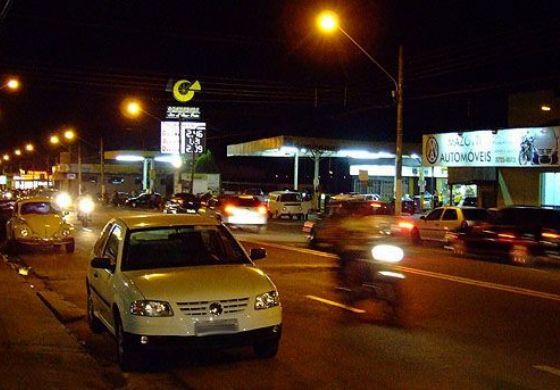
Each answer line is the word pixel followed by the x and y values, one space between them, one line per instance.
pixel 37 352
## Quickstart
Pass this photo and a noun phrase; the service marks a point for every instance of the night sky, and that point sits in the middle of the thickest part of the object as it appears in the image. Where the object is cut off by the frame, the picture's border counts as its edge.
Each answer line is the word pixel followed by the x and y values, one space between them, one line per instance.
pixel 265 69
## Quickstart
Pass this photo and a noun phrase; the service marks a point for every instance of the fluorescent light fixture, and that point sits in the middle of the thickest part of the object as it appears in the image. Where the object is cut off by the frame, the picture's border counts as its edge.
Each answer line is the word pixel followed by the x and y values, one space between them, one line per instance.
pixel 363 154
pixel 129 157
pixel 545 108
pixel 415 156
pixel 288 149
pixel 173 159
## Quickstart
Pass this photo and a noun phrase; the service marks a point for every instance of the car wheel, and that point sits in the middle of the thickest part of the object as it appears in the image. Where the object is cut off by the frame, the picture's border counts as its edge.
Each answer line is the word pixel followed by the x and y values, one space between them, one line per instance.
pixel 415 237
pixel 520 255
pixel 94 324
pixel 127 356
pixel 266 349
pixel 70 247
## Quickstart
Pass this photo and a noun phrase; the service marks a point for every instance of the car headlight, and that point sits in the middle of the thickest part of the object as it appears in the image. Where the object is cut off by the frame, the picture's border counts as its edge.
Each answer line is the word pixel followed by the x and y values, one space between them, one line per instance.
pixel 86 205
pixel 267 300
pixel 150 308
pixel 24 231
pixel 65 231
pixel 63 200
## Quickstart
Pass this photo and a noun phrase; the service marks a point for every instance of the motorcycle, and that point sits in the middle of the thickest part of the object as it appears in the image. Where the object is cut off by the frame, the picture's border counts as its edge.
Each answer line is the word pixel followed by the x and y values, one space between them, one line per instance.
pixel 366 276
pixel 86 206
pixel 526 152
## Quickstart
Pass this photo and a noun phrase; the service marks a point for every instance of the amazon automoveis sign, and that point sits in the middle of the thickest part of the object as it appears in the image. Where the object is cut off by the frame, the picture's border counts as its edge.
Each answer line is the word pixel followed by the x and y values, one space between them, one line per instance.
pixel 526 147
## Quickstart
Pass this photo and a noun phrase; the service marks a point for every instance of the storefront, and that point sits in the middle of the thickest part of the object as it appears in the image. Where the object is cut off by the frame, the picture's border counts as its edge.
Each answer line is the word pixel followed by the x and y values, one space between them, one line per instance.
pixel 496 168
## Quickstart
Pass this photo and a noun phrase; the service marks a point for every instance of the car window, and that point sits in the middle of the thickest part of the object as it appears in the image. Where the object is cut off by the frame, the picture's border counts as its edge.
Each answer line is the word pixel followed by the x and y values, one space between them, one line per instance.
pixel 41 208
pixel 291 198
pixel 244 202
pixel 178 247
pixel 98 247
pixel 434 215
pixel 112 247
pixel 449 215
pixel 475 214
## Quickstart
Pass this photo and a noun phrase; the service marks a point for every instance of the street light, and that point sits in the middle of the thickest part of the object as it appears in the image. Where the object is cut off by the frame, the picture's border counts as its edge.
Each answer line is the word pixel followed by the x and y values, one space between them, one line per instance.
pixel 30 147
pixel 17 152
pixel 13 84
pixel 328 22
pixel 70 135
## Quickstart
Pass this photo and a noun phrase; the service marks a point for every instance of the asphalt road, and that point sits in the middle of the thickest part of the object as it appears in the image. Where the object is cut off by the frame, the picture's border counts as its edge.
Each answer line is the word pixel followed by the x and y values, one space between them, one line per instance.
pixel 470 323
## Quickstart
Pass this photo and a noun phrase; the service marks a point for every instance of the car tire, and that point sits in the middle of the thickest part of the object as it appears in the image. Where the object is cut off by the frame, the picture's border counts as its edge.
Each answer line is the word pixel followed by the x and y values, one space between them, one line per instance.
pixel 94 324
pixel 128 357
pixel 415 237
pixel 70 247
pixel 266 349
pixel 520 255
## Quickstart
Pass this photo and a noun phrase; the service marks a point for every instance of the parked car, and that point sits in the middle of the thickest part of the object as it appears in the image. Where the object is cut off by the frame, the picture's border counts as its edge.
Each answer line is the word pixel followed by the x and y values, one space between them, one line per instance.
pixel 436 225
pixel 162 280
pixel 287 203
pixel 521 235
pixel 118 198
pixel 329 230
pixel 39 222
pixel 145 200
pixel 181 202
pixel 240 211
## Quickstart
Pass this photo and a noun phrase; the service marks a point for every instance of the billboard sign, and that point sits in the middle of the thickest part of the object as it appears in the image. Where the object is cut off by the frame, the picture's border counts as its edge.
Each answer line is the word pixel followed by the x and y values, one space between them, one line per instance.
pixel 183 137
pixel 184 113
pixel 524 147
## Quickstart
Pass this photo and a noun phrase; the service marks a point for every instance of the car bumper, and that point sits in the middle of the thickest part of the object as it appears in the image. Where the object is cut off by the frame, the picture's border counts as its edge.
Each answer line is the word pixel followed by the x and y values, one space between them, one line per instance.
pixel 45 242
pixel 238 339
pixel 250 220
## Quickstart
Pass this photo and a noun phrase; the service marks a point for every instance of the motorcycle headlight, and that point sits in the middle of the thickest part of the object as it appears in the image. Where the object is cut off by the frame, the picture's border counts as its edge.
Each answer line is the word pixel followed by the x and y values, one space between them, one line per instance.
pixel 387 253
pixel 86 205
pixel 267 300
pixel 149 308
pixel 63 200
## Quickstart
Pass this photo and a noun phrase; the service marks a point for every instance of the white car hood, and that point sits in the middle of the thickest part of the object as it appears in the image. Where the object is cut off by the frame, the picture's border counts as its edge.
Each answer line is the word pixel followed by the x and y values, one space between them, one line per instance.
pixel 201 283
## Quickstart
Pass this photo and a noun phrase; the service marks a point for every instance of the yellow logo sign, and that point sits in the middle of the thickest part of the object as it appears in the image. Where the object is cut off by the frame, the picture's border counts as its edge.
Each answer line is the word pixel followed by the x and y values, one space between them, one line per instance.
pixel 183 90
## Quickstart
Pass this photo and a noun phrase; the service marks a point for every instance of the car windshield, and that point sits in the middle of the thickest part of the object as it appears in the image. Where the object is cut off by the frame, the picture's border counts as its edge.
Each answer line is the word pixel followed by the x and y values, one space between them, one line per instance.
pixel 178 247
pixel 475 214
pixel 42 208
pixel 244 202
pixel 291 198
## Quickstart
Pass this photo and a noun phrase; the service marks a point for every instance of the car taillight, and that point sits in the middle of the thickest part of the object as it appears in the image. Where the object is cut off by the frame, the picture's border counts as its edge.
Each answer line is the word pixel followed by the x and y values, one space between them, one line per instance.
pixel 229 209
pixel 551 236
pixel 262 209
pixel 406 225
pixel 506 236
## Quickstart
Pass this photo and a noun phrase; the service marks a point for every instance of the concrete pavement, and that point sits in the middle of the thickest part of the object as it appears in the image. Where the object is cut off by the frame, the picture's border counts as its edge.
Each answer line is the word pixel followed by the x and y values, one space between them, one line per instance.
pixel 37 352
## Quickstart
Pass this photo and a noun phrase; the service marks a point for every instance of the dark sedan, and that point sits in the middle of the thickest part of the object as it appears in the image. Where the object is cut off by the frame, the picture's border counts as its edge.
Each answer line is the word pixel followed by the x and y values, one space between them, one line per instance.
pixel 521 235
pixel 145 200
pixel 181 202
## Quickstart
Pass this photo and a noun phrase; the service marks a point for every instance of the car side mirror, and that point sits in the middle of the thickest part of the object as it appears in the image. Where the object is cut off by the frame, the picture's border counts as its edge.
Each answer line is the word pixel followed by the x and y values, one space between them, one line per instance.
pixel 258 253
pixel 102 263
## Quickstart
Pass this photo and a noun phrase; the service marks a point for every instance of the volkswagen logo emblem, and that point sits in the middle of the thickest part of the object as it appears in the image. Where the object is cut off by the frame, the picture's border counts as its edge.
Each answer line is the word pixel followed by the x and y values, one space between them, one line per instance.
pixel 432 150
pixel 216 308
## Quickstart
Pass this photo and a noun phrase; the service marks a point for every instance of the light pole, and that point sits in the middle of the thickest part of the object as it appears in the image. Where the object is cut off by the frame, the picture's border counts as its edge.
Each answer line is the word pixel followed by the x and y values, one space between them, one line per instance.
pixel 70 136
pixel 328 22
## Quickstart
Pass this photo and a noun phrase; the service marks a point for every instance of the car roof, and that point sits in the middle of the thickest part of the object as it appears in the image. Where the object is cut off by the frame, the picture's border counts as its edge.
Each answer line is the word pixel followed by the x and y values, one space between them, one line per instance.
pixel 159 220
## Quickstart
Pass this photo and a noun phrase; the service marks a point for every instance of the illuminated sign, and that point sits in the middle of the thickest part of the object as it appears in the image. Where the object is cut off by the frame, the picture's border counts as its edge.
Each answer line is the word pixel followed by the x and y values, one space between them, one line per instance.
pixel 179 112
pixel 183 137
pixel 184 90
pixel 526 147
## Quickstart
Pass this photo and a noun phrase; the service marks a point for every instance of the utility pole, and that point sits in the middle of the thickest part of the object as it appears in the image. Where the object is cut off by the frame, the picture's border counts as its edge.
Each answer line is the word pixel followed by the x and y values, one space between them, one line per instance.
pixel 102 167
pixel 399 135
pixel 79 168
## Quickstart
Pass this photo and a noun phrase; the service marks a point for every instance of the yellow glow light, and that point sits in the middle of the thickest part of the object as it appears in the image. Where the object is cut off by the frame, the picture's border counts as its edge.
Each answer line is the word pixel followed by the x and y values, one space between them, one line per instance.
pixel 545 108
pixel 69 134
pixel 54 139
pixel 13 84
pixel 133 108
pixel 29 147
pixel 327 21
pixel 17 152
pixel 6 157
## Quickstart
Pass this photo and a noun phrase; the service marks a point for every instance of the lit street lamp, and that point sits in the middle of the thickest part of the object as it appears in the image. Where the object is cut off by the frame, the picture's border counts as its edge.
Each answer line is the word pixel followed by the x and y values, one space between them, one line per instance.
pixel 328 22
pixel 13 84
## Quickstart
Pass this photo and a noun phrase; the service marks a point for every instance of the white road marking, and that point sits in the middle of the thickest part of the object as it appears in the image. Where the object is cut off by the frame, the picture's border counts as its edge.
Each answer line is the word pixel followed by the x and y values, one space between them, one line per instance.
pixel 333 303
pixel 550 370
pixel 436 275
pixel 479 283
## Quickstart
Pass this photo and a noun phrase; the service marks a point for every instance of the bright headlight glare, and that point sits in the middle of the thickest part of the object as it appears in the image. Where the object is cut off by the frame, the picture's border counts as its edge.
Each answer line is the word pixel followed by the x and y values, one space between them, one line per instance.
pixel 148 308
pixel 63 200
pixel 86 205
pixel 387 253
pixel 267 300
pixel 65 232
pixel 24 232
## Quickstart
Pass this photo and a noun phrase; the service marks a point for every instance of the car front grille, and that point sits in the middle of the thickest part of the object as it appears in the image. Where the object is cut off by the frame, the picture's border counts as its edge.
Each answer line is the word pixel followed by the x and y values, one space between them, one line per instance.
pixel 202 308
